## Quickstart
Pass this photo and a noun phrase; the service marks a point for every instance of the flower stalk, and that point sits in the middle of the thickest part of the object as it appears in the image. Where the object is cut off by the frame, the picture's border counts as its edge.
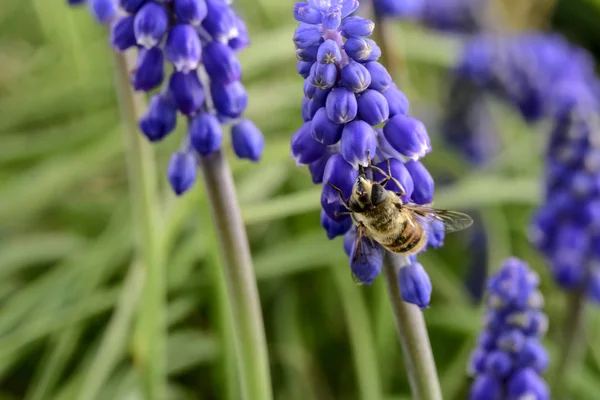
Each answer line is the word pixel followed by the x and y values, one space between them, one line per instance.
pixel 150 344
pixel 413 336
pixel 251 348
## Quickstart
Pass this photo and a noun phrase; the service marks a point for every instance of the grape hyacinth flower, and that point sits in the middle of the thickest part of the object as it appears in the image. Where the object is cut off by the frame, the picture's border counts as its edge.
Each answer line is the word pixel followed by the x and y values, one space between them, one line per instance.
pixel 509 359
pixel 353 111
pixel 199 39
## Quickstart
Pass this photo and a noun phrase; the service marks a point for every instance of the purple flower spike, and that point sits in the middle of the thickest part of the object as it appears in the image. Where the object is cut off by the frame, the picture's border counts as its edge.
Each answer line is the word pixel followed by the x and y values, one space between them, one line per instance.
pixel 149 72
pixel 407 136
pixel 131 6
pixel 182 172
pixel 150 24
pixel 332 18
pixel 341 174
pixel 122 36
pixel 308 54
pixel 160 118
pixel 329 52
pixel 357 27
pixel 366 267
pixel 241 40
pixel 307 35
pixel 187 92
pixel 103 10
pixel 348 7
pixel 317 168
pixel 304 13
pixel 206 134
pixel 381 79
pixel 527 383
pixel 341 106
pixel 415 285
pixel 486 387
pixel 401 174
pixel 191 12
pixel 362 50
pixel 221 63
pixel 334 228
pixel 220 22
pixel 248 142
pixel 230 100
pixel 183 48
pixel 303 68
pixel 325 131
pixel 397 101
pixel 324 76
pixel 305 149
pixel 423 183
pixel 373 107
pixel 355 77
pixel 358 143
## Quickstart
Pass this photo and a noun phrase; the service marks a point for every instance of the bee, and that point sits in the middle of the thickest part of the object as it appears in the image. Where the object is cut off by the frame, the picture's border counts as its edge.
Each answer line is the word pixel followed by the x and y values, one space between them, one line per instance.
pixel 380 215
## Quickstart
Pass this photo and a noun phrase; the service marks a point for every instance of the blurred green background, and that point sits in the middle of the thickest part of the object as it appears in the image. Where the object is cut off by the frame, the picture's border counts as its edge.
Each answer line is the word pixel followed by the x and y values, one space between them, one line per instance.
pixel 70 285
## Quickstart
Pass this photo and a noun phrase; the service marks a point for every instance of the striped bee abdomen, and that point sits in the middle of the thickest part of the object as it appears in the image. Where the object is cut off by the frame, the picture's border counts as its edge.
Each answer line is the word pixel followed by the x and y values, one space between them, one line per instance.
pixel 409 240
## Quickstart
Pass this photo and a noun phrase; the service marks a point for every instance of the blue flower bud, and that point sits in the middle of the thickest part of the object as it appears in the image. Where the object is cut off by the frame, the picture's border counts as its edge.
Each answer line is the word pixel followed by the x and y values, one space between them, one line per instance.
pixel 221 63
pixel 334 228
pixel 308 110
pixel 329 52
pixel 477 362
pixel 397 101
pixel 149 70
pixel 341 106
pixel 304 13
pixel 498 363
pixel 366 264
pixel 373 107
pixel 380 77
pixel 183 48
pixel 401 174
pixel 407 136
pixel 593 285
pixel 182 172
pixel 324 76
pixel 187 92
pixel 317 168
pixel 307 54
pixel 415 285
pixel 362 50
pixel 423 183
pixel 305 149
pixel 75 2
pixel 205 133
pixel 358 142
pixel 191 12
pixel 150 24
pixel 230 100
pixel 486 387
pixel 121 34
pixel 248 142
pixel 303 68
pixel 435 233
pixel 220 22
pixel 160 118
pixel 357 27
pixel 349 239
pixel 348 7
pixel 333 208
pixel 355 77
pixel 131 6
pixel 533 355
pixel 323 130
pixel 307 35
pixel 526 383
pixel 241 40
pixel 332 18
pixel 340 174
pixel 103 10
pixel 511 341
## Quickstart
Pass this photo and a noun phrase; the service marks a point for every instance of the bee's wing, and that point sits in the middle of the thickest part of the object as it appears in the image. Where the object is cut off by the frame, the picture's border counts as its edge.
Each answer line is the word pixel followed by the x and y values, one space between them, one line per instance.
pixel 453 221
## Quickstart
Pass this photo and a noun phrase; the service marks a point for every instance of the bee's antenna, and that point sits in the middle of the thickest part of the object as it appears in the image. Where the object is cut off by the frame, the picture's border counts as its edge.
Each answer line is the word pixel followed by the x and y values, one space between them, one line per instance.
pixel 361 170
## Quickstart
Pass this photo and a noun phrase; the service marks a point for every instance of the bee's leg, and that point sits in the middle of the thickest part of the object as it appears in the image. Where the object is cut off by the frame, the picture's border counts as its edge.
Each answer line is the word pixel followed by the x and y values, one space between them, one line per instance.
pixel 389 177
pixel 339 214
pixel 344 203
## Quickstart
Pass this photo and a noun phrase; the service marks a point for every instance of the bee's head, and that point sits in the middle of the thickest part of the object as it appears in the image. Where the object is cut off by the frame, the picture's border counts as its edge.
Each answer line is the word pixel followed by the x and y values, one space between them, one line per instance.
pixel 366 194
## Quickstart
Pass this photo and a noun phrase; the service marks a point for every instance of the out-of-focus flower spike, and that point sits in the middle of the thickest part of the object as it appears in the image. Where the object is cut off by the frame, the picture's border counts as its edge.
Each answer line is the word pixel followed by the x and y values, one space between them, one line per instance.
pixel 183 48
pixel 220 22
pixel 415 285
pixel 242 39
pixel 103 10
pixel 187 92
pixel 190 12
pixel 160 118
pixel 149 72
pixel 486 387
pixel 230 100
pixel 131 6
pixel 205 133
pixel 150 24
pixel 247 141
pixel 182 172
pixel 122 36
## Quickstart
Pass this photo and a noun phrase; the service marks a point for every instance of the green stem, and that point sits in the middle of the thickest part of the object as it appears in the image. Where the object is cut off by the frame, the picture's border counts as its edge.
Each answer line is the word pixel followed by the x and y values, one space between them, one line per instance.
pixel 570 344
pixel 251 347
pixel 150 343
pixel 413 336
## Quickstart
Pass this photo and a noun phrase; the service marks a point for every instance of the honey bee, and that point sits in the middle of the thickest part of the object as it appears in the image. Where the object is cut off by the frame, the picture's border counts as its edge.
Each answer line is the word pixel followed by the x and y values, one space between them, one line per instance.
pixel 380 215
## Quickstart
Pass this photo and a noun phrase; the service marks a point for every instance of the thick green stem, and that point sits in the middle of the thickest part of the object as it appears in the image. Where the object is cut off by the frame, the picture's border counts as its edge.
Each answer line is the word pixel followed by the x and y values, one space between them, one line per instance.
pixel 150 350
pixel 571 344
pixel 251 347
pixel 413 336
